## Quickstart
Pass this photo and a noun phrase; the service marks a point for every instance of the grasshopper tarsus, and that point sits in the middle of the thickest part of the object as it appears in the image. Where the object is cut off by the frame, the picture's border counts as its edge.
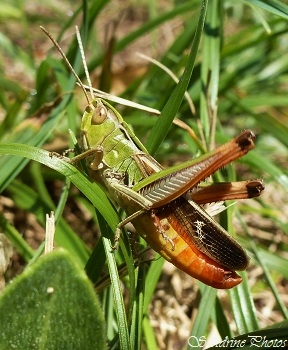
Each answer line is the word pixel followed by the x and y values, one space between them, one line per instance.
pixel 255 188
pixel 57 155
pixel 161 230
pixel 114 247
pixel 246 140
pixel 54 154
pixel 69 150
pixel 116 239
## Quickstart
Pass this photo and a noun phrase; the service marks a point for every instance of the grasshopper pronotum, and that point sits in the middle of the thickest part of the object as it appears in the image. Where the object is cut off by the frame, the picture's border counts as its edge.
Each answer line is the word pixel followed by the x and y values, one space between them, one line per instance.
pixel 165 206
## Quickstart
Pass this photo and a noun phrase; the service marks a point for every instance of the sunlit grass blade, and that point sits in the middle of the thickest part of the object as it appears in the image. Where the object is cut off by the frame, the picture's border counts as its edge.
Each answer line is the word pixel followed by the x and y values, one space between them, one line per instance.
pixel 169 111
pixel 91 190
pixel 243 307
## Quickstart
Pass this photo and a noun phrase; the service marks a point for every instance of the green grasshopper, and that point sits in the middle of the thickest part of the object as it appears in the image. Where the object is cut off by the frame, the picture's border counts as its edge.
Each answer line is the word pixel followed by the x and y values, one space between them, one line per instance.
pixel 165 205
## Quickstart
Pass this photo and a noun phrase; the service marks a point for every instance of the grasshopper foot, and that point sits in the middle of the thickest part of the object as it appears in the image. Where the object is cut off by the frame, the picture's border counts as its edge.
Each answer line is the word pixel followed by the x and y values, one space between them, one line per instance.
pixel 161 230
pixel 116 239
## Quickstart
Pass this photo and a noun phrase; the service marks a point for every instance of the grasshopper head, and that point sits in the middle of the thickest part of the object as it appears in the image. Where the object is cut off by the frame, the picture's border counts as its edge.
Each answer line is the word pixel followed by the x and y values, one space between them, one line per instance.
pixel 98 112
pixel 99 121
pixel 95 114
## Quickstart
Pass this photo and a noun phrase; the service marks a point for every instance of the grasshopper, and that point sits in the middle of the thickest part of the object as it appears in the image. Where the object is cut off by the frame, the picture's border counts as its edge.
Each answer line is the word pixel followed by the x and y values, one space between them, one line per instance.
pixel 165 205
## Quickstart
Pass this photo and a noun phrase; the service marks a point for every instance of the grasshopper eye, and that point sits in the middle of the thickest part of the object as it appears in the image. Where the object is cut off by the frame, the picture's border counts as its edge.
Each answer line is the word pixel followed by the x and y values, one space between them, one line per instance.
pixel 99 114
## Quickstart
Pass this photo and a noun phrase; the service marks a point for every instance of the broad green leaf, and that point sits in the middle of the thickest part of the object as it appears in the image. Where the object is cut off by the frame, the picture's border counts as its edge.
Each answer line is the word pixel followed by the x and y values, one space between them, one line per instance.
pixel 52 305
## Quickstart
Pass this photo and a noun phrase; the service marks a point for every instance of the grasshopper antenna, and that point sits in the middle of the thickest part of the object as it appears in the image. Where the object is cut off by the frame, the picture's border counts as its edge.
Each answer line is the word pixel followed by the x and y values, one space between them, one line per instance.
pixel 84 61
pixel 68 63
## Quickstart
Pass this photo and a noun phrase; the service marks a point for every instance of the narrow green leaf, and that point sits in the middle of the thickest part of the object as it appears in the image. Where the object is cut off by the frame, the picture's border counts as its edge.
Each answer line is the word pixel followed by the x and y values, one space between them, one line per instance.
pixel 243 307
pixel 117 295
pixel 206 305
pixel 169 111
pixel 274 6
pixel 91 190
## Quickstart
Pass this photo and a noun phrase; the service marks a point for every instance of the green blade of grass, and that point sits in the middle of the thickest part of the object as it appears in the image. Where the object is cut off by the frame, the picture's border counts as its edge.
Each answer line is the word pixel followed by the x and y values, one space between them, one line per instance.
pixel 91 190
pixel 169 111
pixel 243 307
pixel 206 305
pixel 273 6
pixel 117 295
